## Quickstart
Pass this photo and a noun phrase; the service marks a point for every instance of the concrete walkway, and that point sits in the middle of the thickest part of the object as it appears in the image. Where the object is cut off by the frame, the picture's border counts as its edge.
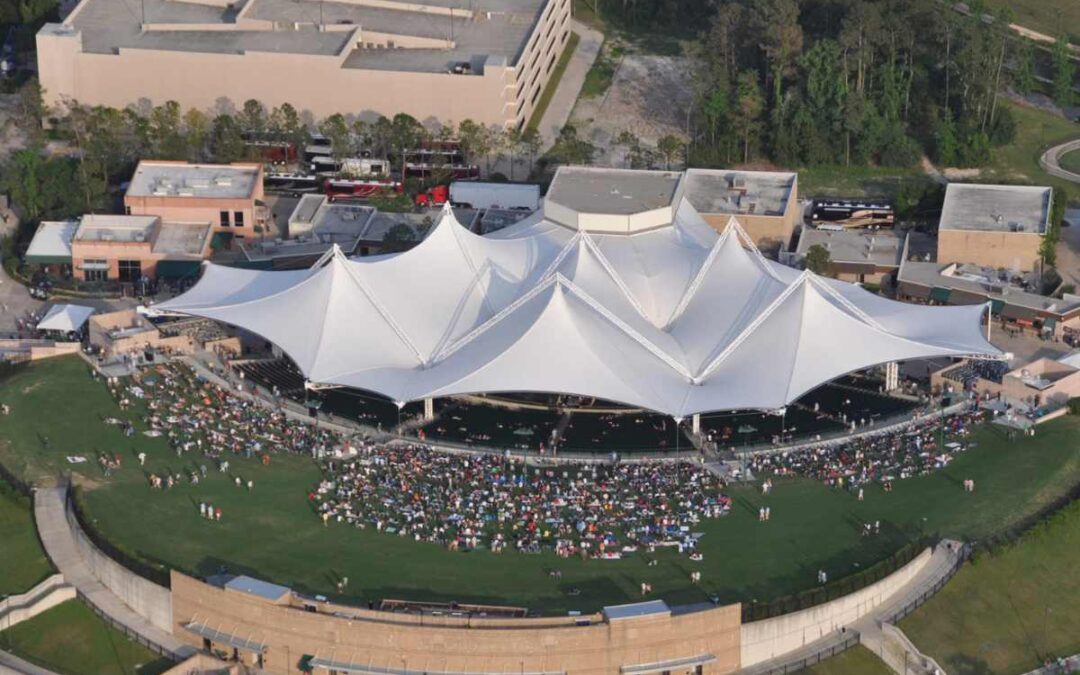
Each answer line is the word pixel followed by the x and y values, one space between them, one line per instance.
pixel 1051 160
pixel 50 514
pixel 943 563
pixel 13 665
pixel 562 103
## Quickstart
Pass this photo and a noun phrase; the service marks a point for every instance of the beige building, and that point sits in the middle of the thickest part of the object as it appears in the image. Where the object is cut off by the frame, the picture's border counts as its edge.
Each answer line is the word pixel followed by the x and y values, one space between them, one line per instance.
pixel 228 198
pixel 128 332
pixel 1044 383
pixel 130 248
pixel 444 60
pixel 765 202
pixel 998 226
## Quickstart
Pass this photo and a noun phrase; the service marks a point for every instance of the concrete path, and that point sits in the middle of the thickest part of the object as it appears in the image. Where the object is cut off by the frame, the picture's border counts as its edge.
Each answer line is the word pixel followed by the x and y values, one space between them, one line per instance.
pixel 1051 160
pixel 50 514
pixel 13 665
pixel 562 104
pixel 943 563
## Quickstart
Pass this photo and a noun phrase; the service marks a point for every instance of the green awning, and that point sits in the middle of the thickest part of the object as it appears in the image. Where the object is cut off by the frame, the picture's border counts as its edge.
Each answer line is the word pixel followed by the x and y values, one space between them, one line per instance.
pixel 996 305
pixel 221 240
pixel 938 294
pixel 48 260
pixel 178 269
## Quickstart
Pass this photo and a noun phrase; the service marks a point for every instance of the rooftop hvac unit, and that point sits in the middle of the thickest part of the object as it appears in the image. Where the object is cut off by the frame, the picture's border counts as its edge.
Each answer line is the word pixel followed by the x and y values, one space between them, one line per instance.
pixel 198 183
pixel 161 192
pixel 140 236
pixel 738 183
pixel 106 236
pixel 223 182
pixel 751 207
pixel 186 193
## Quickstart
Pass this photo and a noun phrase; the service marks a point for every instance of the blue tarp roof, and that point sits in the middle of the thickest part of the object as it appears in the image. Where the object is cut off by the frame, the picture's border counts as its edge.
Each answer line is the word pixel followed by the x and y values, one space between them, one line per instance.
pixel 636 609
pixel 263 589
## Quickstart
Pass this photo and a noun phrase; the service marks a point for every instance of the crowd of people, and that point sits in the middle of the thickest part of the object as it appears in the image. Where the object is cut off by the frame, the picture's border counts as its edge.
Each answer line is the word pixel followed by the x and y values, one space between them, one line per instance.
pixel 925 446
pixel 468 501
pixel 198 416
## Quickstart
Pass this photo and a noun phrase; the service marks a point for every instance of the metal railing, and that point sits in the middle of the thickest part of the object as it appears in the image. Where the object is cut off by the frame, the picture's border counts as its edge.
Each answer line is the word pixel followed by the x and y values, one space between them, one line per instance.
pixel 130 634
pixel 912 605
pixel 841 642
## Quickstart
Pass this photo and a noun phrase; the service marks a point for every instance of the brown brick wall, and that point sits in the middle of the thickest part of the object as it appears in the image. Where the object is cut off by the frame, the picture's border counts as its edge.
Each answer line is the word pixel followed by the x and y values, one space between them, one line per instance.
pixel 449 645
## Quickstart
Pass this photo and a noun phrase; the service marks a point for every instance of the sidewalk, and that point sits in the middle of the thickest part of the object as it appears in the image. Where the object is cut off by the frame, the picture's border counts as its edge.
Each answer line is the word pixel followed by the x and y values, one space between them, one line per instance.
pixel 562 104
pixel 50 514
pixel 13 665
pixel 942 564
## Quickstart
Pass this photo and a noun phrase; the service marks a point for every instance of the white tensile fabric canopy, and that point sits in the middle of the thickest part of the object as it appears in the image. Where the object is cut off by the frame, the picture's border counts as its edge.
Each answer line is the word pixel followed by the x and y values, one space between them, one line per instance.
pixel 679 319
pixel 67 318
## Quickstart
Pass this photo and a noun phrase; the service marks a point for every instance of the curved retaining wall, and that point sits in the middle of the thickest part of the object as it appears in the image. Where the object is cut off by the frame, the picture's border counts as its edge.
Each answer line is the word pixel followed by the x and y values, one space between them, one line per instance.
pixel 144 597
pixel 770 638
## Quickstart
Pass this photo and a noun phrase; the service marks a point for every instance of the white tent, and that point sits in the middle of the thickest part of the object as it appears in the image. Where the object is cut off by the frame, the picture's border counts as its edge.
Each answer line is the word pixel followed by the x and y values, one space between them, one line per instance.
pixel 66 318
pixel 677 319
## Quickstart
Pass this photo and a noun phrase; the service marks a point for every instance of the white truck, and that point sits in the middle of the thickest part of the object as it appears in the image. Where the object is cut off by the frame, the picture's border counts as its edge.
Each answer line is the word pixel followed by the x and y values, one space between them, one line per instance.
pixel 509 196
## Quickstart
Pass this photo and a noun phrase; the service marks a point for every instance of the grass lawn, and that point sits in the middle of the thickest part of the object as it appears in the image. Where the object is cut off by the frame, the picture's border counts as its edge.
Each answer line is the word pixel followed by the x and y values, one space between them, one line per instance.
pixel 71 639
pixel 856 181
pixel 273 533
pixel 1005 612
pixel 22 562
pixel 600 76
pixel 1045 16
pixel 1018 162
pixel 855 661
pixel 553 82
pixel 1070 161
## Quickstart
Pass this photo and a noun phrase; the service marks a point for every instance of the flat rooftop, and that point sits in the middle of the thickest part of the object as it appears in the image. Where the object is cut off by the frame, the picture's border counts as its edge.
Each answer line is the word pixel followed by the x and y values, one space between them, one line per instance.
pixel 882 248
pixel 204 181
pixel 494 29
pixel 613 191
pixel 965 279
pixel 111 228
pixel 187 240
pixel 739 192
pixel 995 208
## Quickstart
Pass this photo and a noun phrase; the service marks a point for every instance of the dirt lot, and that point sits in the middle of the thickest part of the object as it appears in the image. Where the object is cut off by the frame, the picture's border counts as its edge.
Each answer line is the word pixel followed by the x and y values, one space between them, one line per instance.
pixel 649 96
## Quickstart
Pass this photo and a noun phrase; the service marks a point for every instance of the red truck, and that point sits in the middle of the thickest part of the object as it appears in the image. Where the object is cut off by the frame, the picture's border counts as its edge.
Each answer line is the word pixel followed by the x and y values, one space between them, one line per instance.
pixel 348 188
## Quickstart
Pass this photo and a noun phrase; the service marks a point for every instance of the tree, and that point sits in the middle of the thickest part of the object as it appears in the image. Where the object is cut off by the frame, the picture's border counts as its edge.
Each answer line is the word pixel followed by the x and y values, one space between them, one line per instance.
pixel 166 134
pixel 31 111
pixel 817 259
pixel 749 105
pixel 569 149
pixel 945 142
pixel 629 140
pixel 531 142
pixel 1048 245
pixel 781 37
pixel 336 130
pixel 226 141
pixel 470 138
pixel 253 117
pixel 406 134
pixel 1023 78
pixel 511 140
pixel 1063 72
pixel 196 132
pixel 670 148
